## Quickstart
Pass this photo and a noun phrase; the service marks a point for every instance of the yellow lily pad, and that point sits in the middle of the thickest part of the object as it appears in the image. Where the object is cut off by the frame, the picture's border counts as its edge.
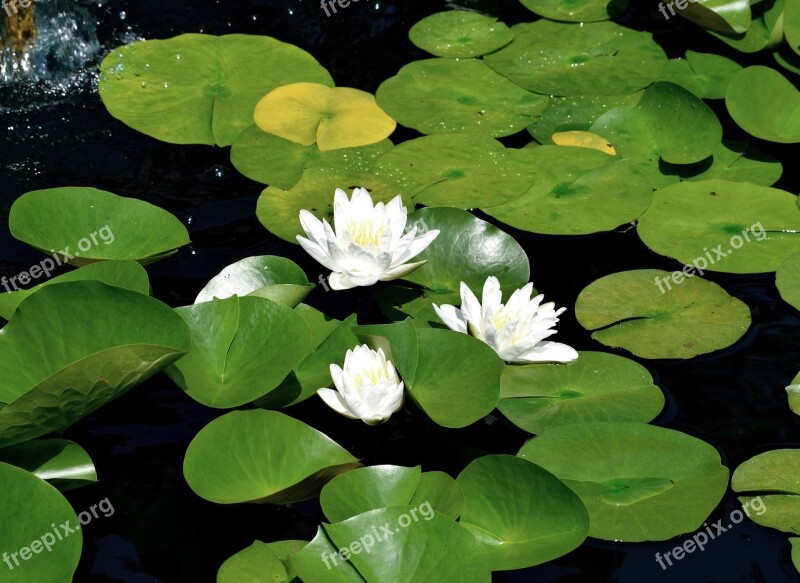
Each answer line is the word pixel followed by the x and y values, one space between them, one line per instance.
pixel 331 117
pixel 581 139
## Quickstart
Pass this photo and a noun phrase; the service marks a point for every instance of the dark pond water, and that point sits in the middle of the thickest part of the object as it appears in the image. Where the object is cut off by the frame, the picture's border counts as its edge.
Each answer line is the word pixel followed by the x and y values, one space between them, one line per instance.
pixel 51 135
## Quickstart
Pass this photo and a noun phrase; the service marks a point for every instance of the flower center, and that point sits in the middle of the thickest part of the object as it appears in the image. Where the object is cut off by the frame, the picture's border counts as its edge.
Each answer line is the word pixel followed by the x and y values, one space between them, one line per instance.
pixel 366 233
pixel 370 376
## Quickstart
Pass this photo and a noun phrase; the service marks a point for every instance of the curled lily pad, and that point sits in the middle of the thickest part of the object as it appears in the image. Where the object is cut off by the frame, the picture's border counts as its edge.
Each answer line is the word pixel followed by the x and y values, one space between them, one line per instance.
pixel 520 514
pixel 576 191
pixel 262 456
pixel 242 348
pixel 658 314
pixel 765 30
pixel 31 509
pixel 86 225
pixel 366 489
pixel 261 562
pixel 198 88
pixel 720 225
pixel 638 482
pixel 126 274
pixel 596 387
pixel 264 276
pixel 331 117
pixel 272 160
pixel 771 113
pixel 446 96
pixel 94 342
pixel 456 170
pixel 599 58
pixel 787 280
pixel 62 463
pixel 460 34
pixel 705 74
pixel 725 16
pixel 577 10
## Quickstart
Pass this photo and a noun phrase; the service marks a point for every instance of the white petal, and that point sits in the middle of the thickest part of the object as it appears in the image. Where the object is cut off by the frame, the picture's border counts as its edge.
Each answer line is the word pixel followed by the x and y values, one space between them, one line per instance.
pixel 417 246
pixel 313 228
pixel 492 299
pixel 340 281
pixel 335 401
pixel 320 255
pixel 549 352
pixel 452 317
pixel 400 271
pixel 471 308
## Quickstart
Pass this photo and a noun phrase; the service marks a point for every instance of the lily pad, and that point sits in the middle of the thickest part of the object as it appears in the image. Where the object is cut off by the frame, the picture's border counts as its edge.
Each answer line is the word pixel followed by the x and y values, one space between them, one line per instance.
pixel 310 563
pixel 765 30
pixel 460 34
pixel 262 456
pixel 795 541
pixel 780 512
pixel 599 58
pixel 73 347
pixel 732 160
pixel 577 10
pixel 638 482
pixel 272 160
pixel 596 387
pixel 793 392
pixel 264 276
pixel 455 170
pixel 255 564
pixel 773 471
pixel 440 491
pixel 720 225
pixel 331 117
pixel 725 16
pixel 446 96
pixel 125 274
pixel 435 549
pixel 366 489
pixel 279 210
pixel 197 88
pixel 242 348
pixel 690 316
pixel 577 112
pixel 576 191
pixel 520 514
pixel 62 463
pixel 30 507
pixel 705 74
pixel 771 113
pixel 82 225
pixel 787 280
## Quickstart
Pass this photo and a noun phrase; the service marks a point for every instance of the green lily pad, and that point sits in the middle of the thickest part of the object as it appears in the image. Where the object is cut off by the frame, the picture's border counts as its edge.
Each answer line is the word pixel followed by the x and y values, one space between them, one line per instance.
pixel 460 34
pixel 264 276
pixel 279 210
pixel 467 249
pixel 732 160
pixel 440 491
pixel 705 74
pixel 30 508
pixel 420 548
pixel 776 471
pixel 310 563
pixel 272 160
pixel 791 25
pixel 771 113
pixel 62 463
pixel 331 117
pixel 261 562
pixel 793 392
pixel 197 88
pixel 576 191
pixel 520 514
pixel 765 30
pixel 242 348
pixel 73 347
pixel 455 170
pixel 795 541
pixel 81 225
pixel 779 512
pixel 732 227
pixel 599 58
pixel 262 456
pixel 638 482
pixel 690 316
pixel 576 112
pixel 366 489
pixel 446 96
pixel 596 387
pixel 577 10
pixel 125 274
pixel 787 280
pixel 725 16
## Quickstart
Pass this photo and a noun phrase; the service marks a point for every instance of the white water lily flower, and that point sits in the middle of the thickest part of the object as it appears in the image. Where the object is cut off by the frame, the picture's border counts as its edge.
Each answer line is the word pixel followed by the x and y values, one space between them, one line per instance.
pixel 516 330
pixel 367 388
pixel 367 244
